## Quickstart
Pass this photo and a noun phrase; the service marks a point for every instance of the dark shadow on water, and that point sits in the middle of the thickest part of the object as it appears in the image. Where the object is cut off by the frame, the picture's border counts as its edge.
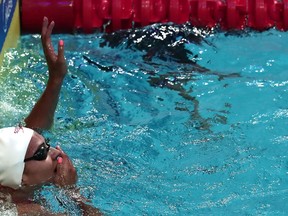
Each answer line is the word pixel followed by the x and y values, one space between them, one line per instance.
pixel 167 43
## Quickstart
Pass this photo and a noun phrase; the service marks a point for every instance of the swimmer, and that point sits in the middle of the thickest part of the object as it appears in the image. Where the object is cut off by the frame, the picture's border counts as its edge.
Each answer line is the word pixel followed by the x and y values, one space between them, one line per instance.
pixel 27 161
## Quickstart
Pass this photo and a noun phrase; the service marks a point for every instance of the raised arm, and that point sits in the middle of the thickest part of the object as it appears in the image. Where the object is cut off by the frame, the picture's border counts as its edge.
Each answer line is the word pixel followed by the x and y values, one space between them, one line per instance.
pixel 42 114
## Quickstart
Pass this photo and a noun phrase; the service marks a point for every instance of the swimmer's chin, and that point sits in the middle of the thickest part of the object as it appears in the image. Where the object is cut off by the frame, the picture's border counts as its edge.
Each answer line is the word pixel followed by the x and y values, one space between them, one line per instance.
pixel 38 185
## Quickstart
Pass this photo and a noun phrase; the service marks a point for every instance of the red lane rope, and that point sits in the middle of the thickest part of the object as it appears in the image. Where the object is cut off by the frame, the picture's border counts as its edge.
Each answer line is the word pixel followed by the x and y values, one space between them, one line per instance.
pixel 113 15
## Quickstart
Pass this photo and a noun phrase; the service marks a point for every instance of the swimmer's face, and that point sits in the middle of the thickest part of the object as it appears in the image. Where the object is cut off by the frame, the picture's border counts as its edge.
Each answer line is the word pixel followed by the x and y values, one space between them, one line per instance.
pixel 37 172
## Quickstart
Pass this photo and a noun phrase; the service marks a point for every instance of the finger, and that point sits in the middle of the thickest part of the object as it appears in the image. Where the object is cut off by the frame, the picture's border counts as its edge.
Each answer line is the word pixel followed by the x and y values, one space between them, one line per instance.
pixel 59 160
pixel 63 169
pixel 65 158
pixel 58 147
pixel 43 32
pixel 66 174
pixel 48 42
pixel 50 29
pixel 61 50
pixel 44 26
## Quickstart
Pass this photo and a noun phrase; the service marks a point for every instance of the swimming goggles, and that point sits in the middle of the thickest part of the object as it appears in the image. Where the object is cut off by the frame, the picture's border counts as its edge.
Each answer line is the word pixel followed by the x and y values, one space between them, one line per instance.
pixel 41 153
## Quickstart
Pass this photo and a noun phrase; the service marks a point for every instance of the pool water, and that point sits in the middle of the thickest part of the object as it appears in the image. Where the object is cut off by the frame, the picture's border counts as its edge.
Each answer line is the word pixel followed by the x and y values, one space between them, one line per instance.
pixel 164 120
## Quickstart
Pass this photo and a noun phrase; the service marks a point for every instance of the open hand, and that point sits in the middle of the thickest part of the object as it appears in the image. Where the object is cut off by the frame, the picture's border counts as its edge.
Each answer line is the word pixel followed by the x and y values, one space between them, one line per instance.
pixel 56 62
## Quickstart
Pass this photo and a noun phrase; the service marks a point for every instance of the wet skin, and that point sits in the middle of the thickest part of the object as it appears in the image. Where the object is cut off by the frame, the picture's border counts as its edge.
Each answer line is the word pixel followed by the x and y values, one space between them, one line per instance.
pixel 48 170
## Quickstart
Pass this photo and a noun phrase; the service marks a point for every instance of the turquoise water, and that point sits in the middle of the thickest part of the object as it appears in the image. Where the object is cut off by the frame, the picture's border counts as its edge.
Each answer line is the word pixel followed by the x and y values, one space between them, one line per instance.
pixel 166 120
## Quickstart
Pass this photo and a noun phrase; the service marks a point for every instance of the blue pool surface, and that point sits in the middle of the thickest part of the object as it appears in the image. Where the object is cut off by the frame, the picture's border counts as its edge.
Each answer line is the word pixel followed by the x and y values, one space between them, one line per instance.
pixel 164 120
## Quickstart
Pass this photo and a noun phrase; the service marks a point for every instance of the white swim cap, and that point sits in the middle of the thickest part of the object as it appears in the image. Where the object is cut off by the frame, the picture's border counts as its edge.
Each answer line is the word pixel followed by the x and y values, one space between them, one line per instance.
pixel 13 146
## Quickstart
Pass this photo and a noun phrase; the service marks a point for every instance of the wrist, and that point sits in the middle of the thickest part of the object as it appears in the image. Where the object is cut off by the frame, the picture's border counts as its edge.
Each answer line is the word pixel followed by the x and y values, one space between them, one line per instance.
pixel 55 82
